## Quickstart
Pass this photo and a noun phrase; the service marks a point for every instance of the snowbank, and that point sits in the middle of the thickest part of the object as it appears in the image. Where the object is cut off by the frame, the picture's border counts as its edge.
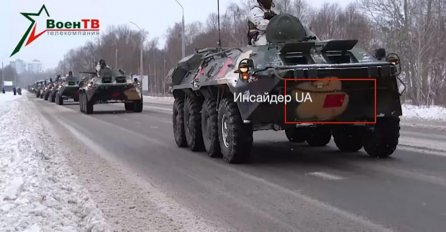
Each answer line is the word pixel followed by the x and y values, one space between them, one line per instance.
pixel 435 113
pixel 8 96
pixel 38 191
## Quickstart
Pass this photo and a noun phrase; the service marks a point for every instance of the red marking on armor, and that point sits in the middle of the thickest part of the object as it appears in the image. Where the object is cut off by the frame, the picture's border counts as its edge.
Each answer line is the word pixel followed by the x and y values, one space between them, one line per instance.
pixel 201 72
pixel 225 68
pixel 334 100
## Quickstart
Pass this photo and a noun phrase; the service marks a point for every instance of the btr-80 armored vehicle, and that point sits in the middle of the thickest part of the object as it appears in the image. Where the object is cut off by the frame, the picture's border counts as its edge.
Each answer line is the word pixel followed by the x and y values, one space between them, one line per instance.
pixel 36 87
pixel 312 89
pixel 68 88
pixel 109 86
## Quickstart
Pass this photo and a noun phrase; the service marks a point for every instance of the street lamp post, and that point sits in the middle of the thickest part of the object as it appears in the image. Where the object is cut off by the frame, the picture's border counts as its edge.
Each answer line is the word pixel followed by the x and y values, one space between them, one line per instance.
pixel 141 56
pixel 3 75
pixel 183 42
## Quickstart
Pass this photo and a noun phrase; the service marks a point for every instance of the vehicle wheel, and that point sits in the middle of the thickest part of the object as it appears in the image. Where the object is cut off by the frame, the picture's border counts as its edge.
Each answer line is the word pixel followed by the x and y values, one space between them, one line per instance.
pixel 128 106
pixel 382 140
pixel 295 135
pixel 348 138
pixel 318 136
pixel 178 122
pixel 235 137
pixel 137 106
pixel 209 128
pixel 37 94
pixel 46 97
pixel 59 99
pixel 81 102
pixel 53 97
pixel 192 123
pixel 88 105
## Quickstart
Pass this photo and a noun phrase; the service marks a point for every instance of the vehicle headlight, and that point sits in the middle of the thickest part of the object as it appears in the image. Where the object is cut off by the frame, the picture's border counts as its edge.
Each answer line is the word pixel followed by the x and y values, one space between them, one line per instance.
pixel 244 67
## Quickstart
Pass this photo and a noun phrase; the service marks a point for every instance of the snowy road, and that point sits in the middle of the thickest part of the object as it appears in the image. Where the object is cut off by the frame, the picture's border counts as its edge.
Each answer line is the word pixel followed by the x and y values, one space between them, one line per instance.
pixel 142 182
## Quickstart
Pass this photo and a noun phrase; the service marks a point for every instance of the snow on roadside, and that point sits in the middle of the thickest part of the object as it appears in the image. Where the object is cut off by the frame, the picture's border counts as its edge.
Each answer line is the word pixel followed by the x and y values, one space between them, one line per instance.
pixel 38 191
pixel 435 113
pixel 8 96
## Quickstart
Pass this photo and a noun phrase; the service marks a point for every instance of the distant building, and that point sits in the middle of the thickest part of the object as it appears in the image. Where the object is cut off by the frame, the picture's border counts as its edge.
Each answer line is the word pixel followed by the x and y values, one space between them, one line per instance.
pixel 35 66
pixel 19 66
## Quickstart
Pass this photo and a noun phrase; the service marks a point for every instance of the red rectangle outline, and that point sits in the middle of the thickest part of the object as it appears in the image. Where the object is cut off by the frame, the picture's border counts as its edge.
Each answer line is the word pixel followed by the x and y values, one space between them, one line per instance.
pixel 335 123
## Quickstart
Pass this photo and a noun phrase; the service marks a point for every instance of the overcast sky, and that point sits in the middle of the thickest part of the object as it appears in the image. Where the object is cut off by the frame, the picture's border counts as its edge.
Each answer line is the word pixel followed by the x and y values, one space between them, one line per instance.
pixel 152 15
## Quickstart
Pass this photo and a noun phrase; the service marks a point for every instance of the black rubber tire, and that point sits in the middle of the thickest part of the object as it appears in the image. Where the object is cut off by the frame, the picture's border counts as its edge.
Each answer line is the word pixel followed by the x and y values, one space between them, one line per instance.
pixel 81 102
pixel 128 106
pixel 89 106
pixel 348 138
pixel 138 106
pixel 318 136
pixel 238 144
pixel 53 97
pixel 192 123
pixel 209 128
pixel 382 140
pixel 178 122
pixel 59 99
pixel 295 135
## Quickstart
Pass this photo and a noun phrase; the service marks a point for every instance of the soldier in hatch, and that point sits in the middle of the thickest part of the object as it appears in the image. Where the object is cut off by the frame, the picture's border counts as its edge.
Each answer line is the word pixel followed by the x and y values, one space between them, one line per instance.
pixel 103 69
pixel 70 79
pixel 258 20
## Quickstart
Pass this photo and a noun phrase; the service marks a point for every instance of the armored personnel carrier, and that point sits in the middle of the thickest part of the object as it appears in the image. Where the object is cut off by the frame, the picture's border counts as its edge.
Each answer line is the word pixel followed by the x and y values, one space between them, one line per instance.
pixel 35 88
pixel 68 88
pixel 45 94
pixel 109 86
pixel 314 90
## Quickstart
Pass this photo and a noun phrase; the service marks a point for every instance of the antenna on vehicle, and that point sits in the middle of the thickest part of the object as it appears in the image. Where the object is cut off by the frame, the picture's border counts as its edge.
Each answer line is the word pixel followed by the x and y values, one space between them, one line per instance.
pixel 219 30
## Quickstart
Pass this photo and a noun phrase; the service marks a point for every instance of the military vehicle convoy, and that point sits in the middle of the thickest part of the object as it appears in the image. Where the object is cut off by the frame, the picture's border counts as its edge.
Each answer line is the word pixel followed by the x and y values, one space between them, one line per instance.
pixel 222 95
pixel 109 86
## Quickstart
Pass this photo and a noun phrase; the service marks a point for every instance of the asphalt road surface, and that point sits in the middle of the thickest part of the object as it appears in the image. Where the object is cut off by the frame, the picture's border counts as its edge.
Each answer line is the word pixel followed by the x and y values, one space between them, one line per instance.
pixel 285 187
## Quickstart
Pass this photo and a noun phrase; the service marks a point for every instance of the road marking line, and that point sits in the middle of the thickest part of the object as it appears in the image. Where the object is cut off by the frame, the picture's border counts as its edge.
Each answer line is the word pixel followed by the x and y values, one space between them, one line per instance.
pixel 324 175
pixel 424 144
pixel 414 134
pixel 422 150
pixel 420 125
pixel 159 108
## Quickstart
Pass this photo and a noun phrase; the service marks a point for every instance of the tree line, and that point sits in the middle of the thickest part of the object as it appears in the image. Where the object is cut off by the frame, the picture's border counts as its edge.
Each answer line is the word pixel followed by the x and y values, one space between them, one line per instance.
pixel 415 29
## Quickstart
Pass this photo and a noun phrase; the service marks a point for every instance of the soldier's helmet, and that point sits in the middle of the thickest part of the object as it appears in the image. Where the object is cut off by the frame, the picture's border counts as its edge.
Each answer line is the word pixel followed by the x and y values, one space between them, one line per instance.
pixel 102 63
pixel 267 4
